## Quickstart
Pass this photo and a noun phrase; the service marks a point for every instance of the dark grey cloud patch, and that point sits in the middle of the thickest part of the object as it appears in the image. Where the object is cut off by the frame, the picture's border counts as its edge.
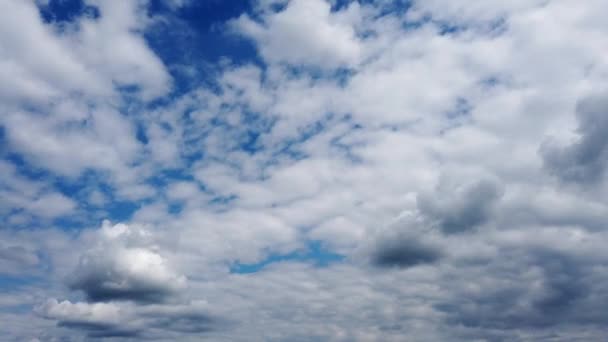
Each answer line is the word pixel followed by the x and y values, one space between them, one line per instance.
pixel 563 284
pixel 585 160
pixel 191 323
pixel 100 288
pixel 153 325
pixel 405 252
pixel 99 330
pixel 460 209
pixel 526 290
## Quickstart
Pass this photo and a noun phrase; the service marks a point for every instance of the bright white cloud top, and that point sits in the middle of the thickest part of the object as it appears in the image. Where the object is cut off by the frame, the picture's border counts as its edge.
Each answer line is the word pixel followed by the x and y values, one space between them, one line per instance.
pixel 303 170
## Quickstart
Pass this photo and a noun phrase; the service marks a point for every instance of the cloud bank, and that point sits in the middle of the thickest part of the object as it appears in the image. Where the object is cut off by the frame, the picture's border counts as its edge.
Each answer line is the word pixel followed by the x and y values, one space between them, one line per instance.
pixel 290 170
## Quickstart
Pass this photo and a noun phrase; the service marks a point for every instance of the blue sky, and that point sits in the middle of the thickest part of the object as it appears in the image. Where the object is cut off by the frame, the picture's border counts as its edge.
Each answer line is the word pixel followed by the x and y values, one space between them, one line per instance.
pixel 303 170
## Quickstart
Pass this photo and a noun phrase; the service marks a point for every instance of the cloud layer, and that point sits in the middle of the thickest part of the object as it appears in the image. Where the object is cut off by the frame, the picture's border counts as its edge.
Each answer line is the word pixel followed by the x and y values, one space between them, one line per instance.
pixel 303 170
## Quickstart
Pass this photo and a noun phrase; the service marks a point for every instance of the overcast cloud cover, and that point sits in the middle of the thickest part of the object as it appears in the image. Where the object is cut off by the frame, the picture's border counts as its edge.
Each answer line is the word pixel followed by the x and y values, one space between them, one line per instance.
pixel 303 170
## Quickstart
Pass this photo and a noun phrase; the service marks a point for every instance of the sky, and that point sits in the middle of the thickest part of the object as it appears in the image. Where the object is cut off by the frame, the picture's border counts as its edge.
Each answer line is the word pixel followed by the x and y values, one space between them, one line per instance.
pixel 303 170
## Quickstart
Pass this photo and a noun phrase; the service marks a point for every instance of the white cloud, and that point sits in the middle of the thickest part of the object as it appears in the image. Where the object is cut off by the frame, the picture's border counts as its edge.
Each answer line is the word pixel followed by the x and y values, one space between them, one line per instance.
pixel 123 265
pixel 105 141
pixel 31 75
pixel 92 53
pixel 30 198
pixel 324 39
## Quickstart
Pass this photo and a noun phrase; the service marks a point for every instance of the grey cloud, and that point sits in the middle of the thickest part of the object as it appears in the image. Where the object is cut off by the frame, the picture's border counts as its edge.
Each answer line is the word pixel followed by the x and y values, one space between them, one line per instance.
pixel 526 290
pixel 405 252
pixel 99 330
pixel 155 325
pixel 100 288
pixel 124 320
pixel 585 160
pixel 15 259
pixel 563 284
pixel 188 323
pixel 18 255
pixel 460 209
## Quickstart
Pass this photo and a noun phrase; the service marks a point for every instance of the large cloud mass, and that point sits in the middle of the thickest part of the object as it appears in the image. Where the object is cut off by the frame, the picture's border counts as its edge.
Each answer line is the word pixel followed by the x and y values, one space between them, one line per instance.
pixel 303 170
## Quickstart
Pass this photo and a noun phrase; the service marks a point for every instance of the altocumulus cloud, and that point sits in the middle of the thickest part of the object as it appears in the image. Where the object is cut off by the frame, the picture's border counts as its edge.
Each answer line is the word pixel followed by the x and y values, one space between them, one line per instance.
pixel 303 170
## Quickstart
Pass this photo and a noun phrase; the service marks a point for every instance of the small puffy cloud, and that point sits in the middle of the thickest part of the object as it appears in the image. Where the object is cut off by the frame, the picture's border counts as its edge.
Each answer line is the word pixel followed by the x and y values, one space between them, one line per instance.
pixel 316 36
pixel 121 266
pixel 52 205
pixel 183 191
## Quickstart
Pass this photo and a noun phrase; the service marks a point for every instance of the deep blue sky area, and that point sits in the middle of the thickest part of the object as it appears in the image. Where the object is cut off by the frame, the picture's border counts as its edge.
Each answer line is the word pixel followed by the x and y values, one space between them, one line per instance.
pixel 196 36
pixel 193 35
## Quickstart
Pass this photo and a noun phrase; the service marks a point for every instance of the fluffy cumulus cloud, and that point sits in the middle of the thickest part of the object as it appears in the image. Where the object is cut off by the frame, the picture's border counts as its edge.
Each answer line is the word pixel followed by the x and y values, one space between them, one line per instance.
pixel 120 268
pixel 325 39
pixel 303 170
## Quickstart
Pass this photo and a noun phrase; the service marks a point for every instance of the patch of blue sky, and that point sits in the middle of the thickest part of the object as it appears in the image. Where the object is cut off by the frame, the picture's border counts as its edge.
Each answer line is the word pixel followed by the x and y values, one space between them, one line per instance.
pixel 119 211
pixel 391 7
pixel 243 136
pixel 289 147
pixel 347 149
pixel 61 11
pixel 23 166
pixel 462 109
pixel 341 75
pixel 78 189
pixel 222 203
pixel 90 214
pixel 12 282
pixel 167 176
pixel 175 208
pixel 494 26
pixel 459 115
pixel 490 81
pixel 90 180
pixel 16 309
pixel 256 125
pixel 193 40
pixel 223 200
pixel 314 253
